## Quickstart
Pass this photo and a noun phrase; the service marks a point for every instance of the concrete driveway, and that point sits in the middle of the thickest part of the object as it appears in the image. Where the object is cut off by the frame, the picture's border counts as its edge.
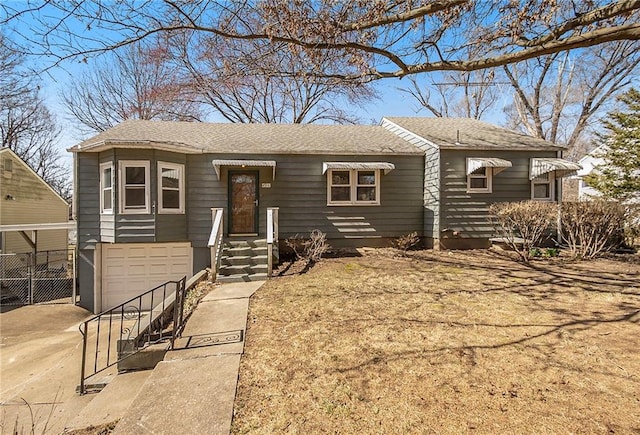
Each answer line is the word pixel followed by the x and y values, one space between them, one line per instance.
pixel 40 351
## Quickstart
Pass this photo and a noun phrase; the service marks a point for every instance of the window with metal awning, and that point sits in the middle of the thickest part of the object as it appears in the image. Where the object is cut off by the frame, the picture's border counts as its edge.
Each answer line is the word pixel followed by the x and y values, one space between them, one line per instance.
pixel 544 172
pixel 480 171
pixel 385 166
pixel 217 164
pixel 495 164
pixel 354 183
pixel 560 167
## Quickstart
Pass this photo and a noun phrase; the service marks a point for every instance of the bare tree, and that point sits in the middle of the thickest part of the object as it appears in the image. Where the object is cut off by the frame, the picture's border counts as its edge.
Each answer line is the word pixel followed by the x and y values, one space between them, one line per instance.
pixel 393 38
pixel 27 126
pixel 556 96
pixel 463 94
pixel 133 83
pixel 239 80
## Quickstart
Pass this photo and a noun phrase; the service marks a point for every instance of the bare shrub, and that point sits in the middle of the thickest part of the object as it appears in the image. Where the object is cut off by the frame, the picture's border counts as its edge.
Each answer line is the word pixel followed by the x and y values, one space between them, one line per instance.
pixel 406 242
pixel 523 224
pixel 311 249
pixel 632 225
pixel 592 228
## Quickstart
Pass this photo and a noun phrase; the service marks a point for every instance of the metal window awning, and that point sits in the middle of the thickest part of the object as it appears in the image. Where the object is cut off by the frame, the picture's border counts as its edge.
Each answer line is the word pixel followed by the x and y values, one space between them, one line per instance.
pixel 498 165
pixel 561 167
pixel 385 166
pixel 217 164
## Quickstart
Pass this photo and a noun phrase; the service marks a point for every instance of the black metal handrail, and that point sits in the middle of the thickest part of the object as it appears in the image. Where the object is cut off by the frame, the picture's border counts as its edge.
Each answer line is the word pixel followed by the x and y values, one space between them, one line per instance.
pixel 130 333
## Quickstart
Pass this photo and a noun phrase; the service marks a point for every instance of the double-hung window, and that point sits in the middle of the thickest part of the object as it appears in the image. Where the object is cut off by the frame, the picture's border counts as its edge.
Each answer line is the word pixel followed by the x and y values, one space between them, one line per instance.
pixel 542 187
pixel 479 181
pixel 134 186
pixel 106 188
pixel 353 187
pixel 170 187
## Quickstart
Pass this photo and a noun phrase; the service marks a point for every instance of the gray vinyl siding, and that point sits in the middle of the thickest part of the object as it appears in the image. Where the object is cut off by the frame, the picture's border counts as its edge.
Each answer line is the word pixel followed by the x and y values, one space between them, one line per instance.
pixel 88 199
pixel 431 192
pixel 125 228
pixel 85 278
pixel 169 227
pixel 431 178
pixel 204 193
pixel 132 228
pixel 300 192
pixel 201 259
pixel 467 213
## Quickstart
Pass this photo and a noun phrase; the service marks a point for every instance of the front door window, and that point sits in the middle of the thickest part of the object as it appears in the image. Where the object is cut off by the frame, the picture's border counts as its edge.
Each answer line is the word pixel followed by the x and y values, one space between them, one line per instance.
pixel 243 202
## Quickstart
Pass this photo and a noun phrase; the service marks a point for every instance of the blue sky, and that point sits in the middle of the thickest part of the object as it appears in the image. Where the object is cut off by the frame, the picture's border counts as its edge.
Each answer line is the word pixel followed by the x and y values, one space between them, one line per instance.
pixel 392 102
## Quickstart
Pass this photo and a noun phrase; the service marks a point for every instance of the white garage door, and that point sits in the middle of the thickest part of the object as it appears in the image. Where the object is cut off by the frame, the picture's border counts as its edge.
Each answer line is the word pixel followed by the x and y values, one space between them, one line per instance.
pixel 129 269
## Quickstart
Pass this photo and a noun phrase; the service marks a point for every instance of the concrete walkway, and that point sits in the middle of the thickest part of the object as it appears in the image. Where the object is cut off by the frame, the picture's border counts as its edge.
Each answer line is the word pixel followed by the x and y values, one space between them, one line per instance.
pixel 193 389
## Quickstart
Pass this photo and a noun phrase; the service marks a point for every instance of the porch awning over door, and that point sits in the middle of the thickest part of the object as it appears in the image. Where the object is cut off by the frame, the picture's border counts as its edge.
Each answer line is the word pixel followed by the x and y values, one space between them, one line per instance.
pixel 561 167
pixel 217 164
pixel 385 166
pixel 498 165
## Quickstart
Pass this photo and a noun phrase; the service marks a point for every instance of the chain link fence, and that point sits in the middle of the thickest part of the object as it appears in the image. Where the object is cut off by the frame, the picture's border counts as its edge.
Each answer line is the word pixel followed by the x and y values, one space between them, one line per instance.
pixel 44 277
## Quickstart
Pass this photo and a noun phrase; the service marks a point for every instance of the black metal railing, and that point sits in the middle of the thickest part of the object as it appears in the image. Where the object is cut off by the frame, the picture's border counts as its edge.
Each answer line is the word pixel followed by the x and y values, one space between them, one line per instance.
pixel 122 331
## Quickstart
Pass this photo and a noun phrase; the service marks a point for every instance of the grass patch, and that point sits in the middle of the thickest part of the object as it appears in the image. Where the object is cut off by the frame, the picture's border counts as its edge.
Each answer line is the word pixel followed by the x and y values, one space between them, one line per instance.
pixel 443 343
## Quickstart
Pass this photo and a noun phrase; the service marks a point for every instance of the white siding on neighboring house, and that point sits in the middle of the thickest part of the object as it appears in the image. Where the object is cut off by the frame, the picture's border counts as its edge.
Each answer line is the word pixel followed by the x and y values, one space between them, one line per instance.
pixel 589 162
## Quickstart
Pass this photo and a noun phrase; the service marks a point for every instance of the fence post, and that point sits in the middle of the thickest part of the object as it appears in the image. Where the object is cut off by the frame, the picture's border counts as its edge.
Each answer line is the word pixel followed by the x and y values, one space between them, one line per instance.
pixel 32 263
pixel 74 293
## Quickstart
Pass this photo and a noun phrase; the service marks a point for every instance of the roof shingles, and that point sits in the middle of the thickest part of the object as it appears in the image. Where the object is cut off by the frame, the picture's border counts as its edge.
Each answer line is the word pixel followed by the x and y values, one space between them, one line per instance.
pixel 250 138
pixel 467 133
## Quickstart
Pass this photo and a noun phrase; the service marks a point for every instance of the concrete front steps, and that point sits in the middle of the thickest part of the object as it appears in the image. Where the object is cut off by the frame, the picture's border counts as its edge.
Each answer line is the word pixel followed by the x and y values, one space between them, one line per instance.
pixel 243 260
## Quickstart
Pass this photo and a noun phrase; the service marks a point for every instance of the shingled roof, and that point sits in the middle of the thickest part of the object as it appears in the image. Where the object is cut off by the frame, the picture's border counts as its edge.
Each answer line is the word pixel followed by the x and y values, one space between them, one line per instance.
pixel 467 133
pixel 195 137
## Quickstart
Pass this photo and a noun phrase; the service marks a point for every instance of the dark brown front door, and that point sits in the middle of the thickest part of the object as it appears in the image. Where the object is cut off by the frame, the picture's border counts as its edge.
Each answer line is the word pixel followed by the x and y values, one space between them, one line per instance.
pixel 243 202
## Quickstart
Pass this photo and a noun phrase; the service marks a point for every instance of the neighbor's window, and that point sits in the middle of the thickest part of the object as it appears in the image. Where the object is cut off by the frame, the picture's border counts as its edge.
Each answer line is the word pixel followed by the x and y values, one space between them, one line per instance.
pixel 170 187
pixel 479 181
pixel 106 188
pixel 353 187
pixel 8 165
pixel 542 187
pixel 134 186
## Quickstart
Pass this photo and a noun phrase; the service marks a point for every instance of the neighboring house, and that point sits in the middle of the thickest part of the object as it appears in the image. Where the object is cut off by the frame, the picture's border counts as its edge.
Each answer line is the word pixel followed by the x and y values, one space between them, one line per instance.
pixel 33 217
pixel 471 164
pixel 589 162
pixel 148 193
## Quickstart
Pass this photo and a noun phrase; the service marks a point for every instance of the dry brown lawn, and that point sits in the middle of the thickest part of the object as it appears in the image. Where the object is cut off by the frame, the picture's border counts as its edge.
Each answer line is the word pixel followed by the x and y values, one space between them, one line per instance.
pixel 444 342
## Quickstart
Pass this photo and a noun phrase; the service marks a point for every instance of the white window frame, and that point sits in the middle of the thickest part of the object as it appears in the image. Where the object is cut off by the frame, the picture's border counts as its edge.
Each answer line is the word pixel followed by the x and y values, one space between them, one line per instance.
pixel 103 166
pixel 551 181
pixel 180 168
pixel 353 187
pixel 488 175
pixel 122 166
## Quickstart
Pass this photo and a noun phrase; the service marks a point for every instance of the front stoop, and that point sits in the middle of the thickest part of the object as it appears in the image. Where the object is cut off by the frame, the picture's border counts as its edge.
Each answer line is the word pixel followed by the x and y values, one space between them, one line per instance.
pixel 243 260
